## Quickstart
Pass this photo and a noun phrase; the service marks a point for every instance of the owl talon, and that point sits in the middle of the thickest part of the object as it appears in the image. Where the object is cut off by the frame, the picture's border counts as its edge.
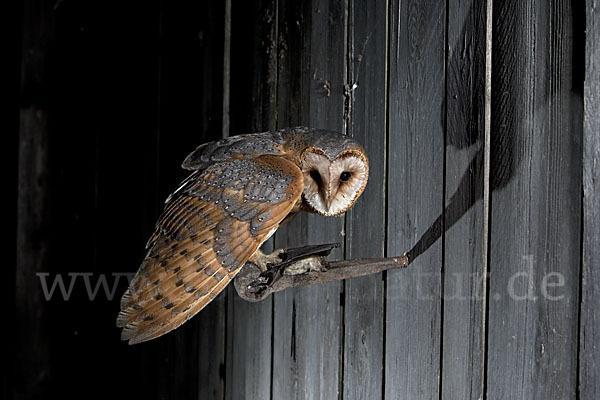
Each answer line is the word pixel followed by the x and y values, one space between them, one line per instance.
pixel 259 281
pixel 266 261
pixel 293 261
pixel 265 279
pixel 259 285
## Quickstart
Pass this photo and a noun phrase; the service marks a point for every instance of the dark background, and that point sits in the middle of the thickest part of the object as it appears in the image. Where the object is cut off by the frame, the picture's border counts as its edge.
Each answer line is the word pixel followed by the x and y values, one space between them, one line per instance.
pixel 104 99
pixel 117 93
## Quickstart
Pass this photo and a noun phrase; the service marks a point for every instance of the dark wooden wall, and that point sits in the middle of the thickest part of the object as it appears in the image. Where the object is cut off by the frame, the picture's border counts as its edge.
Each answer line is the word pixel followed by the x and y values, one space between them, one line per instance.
pixel 481 121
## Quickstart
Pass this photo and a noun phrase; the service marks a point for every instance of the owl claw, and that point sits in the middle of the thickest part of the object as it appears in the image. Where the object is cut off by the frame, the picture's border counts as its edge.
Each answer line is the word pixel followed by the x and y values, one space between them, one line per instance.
pixel 260 284
pixel 291 261
pixel 265 280
pixel 265 261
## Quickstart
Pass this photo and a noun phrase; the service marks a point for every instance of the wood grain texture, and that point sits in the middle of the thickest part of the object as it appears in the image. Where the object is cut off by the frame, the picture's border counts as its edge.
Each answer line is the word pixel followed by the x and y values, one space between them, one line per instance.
pixel 102 148
pixel 293 66
pixel 253 109
pixel 96 145
pixel 254 90
pixel 307 320
pixel 536 203
pixel 463 306
pixel 211 349
pixel 211 339
pixel 10 81
pixel 589 351
pixel 31 364
pixel 264 92
pixel 248 349
pixel 293 53
pixel 365 222
pixel 415 197
pixel 111 102
pixel 189 86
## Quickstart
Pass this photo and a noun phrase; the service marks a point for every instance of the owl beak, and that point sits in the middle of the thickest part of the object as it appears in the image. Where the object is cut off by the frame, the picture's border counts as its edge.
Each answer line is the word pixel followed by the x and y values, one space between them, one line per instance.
pixel 328 200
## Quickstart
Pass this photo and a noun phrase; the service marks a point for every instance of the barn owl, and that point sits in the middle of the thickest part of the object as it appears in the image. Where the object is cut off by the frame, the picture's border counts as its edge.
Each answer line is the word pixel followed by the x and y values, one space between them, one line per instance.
pixel 240 191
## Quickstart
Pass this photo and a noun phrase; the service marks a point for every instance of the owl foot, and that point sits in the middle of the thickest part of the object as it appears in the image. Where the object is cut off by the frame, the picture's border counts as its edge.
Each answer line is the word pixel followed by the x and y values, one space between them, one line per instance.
pixel 264 281
pixel 254 285
pixel 293 261
pixel 265 261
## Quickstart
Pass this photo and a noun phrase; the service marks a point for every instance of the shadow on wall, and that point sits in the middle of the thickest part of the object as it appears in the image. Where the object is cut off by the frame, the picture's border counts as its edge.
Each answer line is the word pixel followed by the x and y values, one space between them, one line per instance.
pixel 513 124
pixel 465 124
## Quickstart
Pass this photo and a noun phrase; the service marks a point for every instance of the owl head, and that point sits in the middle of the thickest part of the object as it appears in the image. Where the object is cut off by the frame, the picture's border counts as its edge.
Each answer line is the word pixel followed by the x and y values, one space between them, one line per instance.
pixel 334 177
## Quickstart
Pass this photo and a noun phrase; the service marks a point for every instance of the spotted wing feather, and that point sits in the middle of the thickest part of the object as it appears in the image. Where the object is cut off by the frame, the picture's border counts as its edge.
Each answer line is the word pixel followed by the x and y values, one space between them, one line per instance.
pixel 254 144
pixel 210 227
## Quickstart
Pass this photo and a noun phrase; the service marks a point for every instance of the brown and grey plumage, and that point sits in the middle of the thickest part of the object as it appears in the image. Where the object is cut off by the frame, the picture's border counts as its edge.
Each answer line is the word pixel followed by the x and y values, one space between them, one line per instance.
pixel 241 189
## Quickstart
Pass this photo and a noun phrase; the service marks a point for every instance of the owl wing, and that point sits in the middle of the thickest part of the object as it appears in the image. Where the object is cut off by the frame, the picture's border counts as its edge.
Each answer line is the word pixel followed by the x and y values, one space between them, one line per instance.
pixel 210 227
pixel 254 144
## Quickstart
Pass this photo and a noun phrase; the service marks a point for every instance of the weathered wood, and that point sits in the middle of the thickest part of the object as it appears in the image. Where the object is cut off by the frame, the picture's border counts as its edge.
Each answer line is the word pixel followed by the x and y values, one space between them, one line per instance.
pixel 415 196
pixel 32 364
pixel 264 79
pixel 365 222
pixel 211 356
pixel 589 350
pixel 124 104
pixel 253 67
pixel 536 203
pixel 32 360
pixel 188 99
pixel 307 320
pixel 11 30
pixel 463 290
pixel 102 181
pixel 293 65
pixel 248 349
pixel 333 271
pixel 253 101
pixel 111 102
pixel 253 285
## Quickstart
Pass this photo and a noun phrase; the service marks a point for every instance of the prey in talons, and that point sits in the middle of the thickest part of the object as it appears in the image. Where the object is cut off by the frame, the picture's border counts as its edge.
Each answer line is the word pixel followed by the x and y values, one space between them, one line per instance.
pixel 292 261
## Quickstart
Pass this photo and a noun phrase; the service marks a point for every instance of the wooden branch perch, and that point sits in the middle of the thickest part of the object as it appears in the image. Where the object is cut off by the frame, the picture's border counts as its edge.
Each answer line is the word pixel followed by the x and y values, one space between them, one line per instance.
pixel 252 285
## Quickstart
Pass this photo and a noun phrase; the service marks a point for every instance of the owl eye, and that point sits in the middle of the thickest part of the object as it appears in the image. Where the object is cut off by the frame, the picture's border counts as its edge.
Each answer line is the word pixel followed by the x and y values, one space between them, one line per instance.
pixel 345 176
pixel 316 176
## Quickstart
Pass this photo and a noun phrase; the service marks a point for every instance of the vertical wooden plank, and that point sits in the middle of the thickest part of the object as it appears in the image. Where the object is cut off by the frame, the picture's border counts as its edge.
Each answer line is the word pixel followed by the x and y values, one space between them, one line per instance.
pixel 96 158
pixel 248 349
pixel 415 196
pixel 307 320
pixel 226 76
pixel 317 309
pixel 463 306
pixel 536 203
pixel 11 29
pixel 253 90
pixel 253 97
pixel 186 363
pixel 289 54
pixel 213 322
pixel 293 48
pixel 32 363
pixel 264 78
pixel 589 350
pixel 190 114
pixel 123 103
pixel 293 65
pixel 365 223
